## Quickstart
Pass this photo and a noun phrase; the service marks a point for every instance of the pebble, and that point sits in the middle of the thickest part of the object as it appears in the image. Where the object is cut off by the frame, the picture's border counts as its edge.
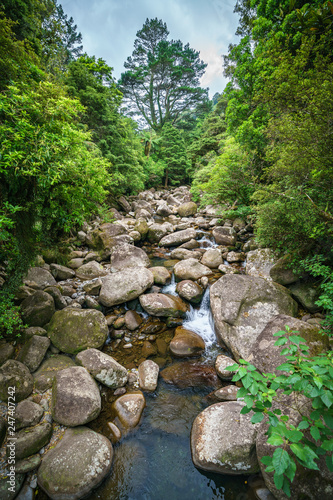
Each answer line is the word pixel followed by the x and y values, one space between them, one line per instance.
pixel 127 346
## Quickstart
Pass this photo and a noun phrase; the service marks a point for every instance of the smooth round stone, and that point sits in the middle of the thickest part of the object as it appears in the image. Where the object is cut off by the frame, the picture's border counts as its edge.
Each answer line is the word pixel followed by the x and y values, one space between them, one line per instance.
pixel 15 374
pixel 148 375
pixel 221 363
pixel 27 413
pixel 186 343
pixel 129 408
pixel 228 393
pixel 115 433
pixel 189 374
pixel 190 291
pixel 161 275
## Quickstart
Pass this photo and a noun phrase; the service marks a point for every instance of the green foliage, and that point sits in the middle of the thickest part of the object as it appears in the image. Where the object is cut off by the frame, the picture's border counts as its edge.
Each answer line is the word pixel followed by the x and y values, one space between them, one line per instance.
pixel 172 152
pixel 161 80
pixel 11 324
pixel 304 374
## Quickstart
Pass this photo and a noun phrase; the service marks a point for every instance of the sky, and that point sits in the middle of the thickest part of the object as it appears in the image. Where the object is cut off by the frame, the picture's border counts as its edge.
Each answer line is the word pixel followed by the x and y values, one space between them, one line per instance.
pixel 109 29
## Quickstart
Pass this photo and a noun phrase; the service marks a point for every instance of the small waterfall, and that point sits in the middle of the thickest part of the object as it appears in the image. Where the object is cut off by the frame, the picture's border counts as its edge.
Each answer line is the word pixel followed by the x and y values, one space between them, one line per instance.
pixel 206 242
pixel 201 322
pixel 171 287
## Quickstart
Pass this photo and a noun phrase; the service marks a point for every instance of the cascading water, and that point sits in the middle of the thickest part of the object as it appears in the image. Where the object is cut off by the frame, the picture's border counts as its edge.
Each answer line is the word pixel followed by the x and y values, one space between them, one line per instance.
pixel 206 242
pixel 200 321
pixel 171 287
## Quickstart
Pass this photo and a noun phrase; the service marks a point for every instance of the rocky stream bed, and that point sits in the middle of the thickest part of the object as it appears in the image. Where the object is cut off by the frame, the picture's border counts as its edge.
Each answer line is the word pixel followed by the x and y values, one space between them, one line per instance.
pixel 120 382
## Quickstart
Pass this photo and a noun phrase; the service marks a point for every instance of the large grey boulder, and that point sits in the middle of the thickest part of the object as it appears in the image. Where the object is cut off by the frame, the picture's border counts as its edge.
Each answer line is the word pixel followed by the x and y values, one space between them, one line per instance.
pixel 75 397
pixel 161 275
pixel 307 294
pixel 260 262
pixel 59 300
pixel 163 210
pixel 212 258
pixel 225 235
pixel 190 269
pixel 61 272
pixel 224 441
pixel 124 256
pixel 266 356
pixel 91 270
pixel 177 238
pixel 282 271
pixel 186 344
pixel 158 231
pixel 15 374
pixel 242 306
pixel 41 277
pixel 184 253
pixel 30 440
pixel 33 352
pixel 76 465
pixel 103 368
pixel 162 304
pixel 43 377
pixel 189 290
pixel 125 285
pixel 187 209
pixel 27 413
pixel 38 309
pixel 105 237
pixel 73 330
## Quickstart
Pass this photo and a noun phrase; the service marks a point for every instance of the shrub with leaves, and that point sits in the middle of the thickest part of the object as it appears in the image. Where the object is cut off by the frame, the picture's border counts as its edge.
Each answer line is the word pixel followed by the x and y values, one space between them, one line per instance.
pixel 311 376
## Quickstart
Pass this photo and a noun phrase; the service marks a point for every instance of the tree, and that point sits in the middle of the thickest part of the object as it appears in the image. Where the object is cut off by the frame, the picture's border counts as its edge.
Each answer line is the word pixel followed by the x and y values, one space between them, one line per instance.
pixel 162 77
pixel 173 154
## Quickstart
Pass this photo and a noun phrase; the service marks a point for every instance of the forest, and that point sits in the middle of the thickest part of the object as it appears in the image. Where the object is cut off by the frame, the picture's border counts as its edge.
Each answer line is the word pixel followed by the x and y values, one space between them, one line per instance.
pixel 73 139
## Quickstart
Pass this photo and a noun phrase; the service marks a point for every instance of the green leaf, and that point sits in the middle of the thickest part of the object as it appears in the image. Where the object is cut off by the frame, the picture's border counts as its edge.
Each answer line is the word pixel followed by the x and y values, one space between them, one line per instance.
pixel 296 339
pixel 286 487
pixel 245 410
pixel 275 440
pixel 294 435
pixel 266 460
pixel 291 470
pixel 278 480
pixel 327 418
pixel 327 398
pixel 315 433
pixel 329 463
pixel 257 417
pixel 247 380
pixel 281 341
pixel 303 425
pixel 280 460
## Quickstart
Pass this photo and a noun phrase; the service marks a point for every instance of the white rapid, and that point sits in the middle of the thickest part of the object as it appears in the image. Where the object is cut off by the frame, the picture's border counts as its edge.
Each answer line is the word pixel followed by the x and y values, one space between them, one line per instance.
pixel 201 322
pixel 171 287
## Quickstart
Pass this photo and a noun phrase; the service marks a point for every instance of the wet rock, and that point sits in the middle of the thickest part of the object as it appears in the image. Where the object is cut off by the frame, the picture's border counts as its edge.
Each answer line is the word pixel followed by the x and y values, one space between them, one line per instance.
pixel 132 320
pixel 148 375
pixel 163 210
pixel 153 325
pixel 235 257
pixel 141 227
pixel 228 393
pixel 73 330
pixel 27 413
pixel 221 363
pixel 5 493
pixel 128 409
pixel 59 300
pixel 212 258
pixel 61 272
pixel 26 465
pixel 91 270
pixel 125 256
pixel 177 238
pixel 224 235
pixel 38 309
pixel 103 368
pixel 161 275
pixel 183 253
pixel 158 231
pixel 43 377
pixel 266 356
pixel 186 343
pixel 187 209
pixel 77 464
pixel 190 291
pixel 91 303
pixel 190 245
pixel 190 269
pixel 260 262
pixel 114 433
pixel 93 287
pixel 75 263
pixel 223 440
pixel 165 305
pixel 33 352
pixel 148 349
pixel 125 286
pixel 75 397
pixel 225 269
pixel 306 294
pixel 187 374
pixel 6 351
pixel 41 276
pixel 282 272
pixel 31 439
pixel 242 306
pixel 15 374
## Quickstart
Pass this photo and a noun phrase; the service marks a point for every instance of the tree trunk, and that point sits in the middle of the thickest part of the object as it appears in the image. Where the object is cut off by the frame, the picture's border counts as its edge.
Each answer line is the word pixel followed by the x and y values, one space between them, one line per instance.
pixel 166 178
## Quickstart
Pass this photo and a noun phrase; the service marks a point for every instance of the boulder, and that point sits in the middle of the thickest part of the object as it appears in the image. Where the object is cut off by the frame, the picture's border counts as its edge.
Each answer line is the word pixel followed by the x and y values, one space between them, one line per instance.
pixel 225 269
pixel 43 377
pixel 30 440
pixel 103 368
pixel 125 286
pixel 190 269
pixel 162 304
pixel 260 262
pixel 132 320
pixel 61 272
pixel 128 409
pixel 38 309
pixel 227 393
pixel 75 263
pixel 186 344
pixel 224 441
pixel 158 231
pixel 183 253
pixel 14 374
pixel 148 375
pixel 22 467
pixel 235 257
pixel 91 270
pixel 163 210
pixel 282 272
pixel 33 352
pixel 187 209
pixel 189 290
pixel 161 275
pixel 125 256
pixel 34 330
pixel 75 397
pixel 266 357
pixel 242 306
pixel 189 374
pixel 93 287
pixel 59 301
pixel 27 413
pixel 73 330
pixel 141 227
pixel 225 235
pixel 41 277
pixel 307 294
pixel 76 465
pixel 124 204
pixel 6 351
pixel 221 363
pixel 177 238
pixel 212 258
pixel 15 485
